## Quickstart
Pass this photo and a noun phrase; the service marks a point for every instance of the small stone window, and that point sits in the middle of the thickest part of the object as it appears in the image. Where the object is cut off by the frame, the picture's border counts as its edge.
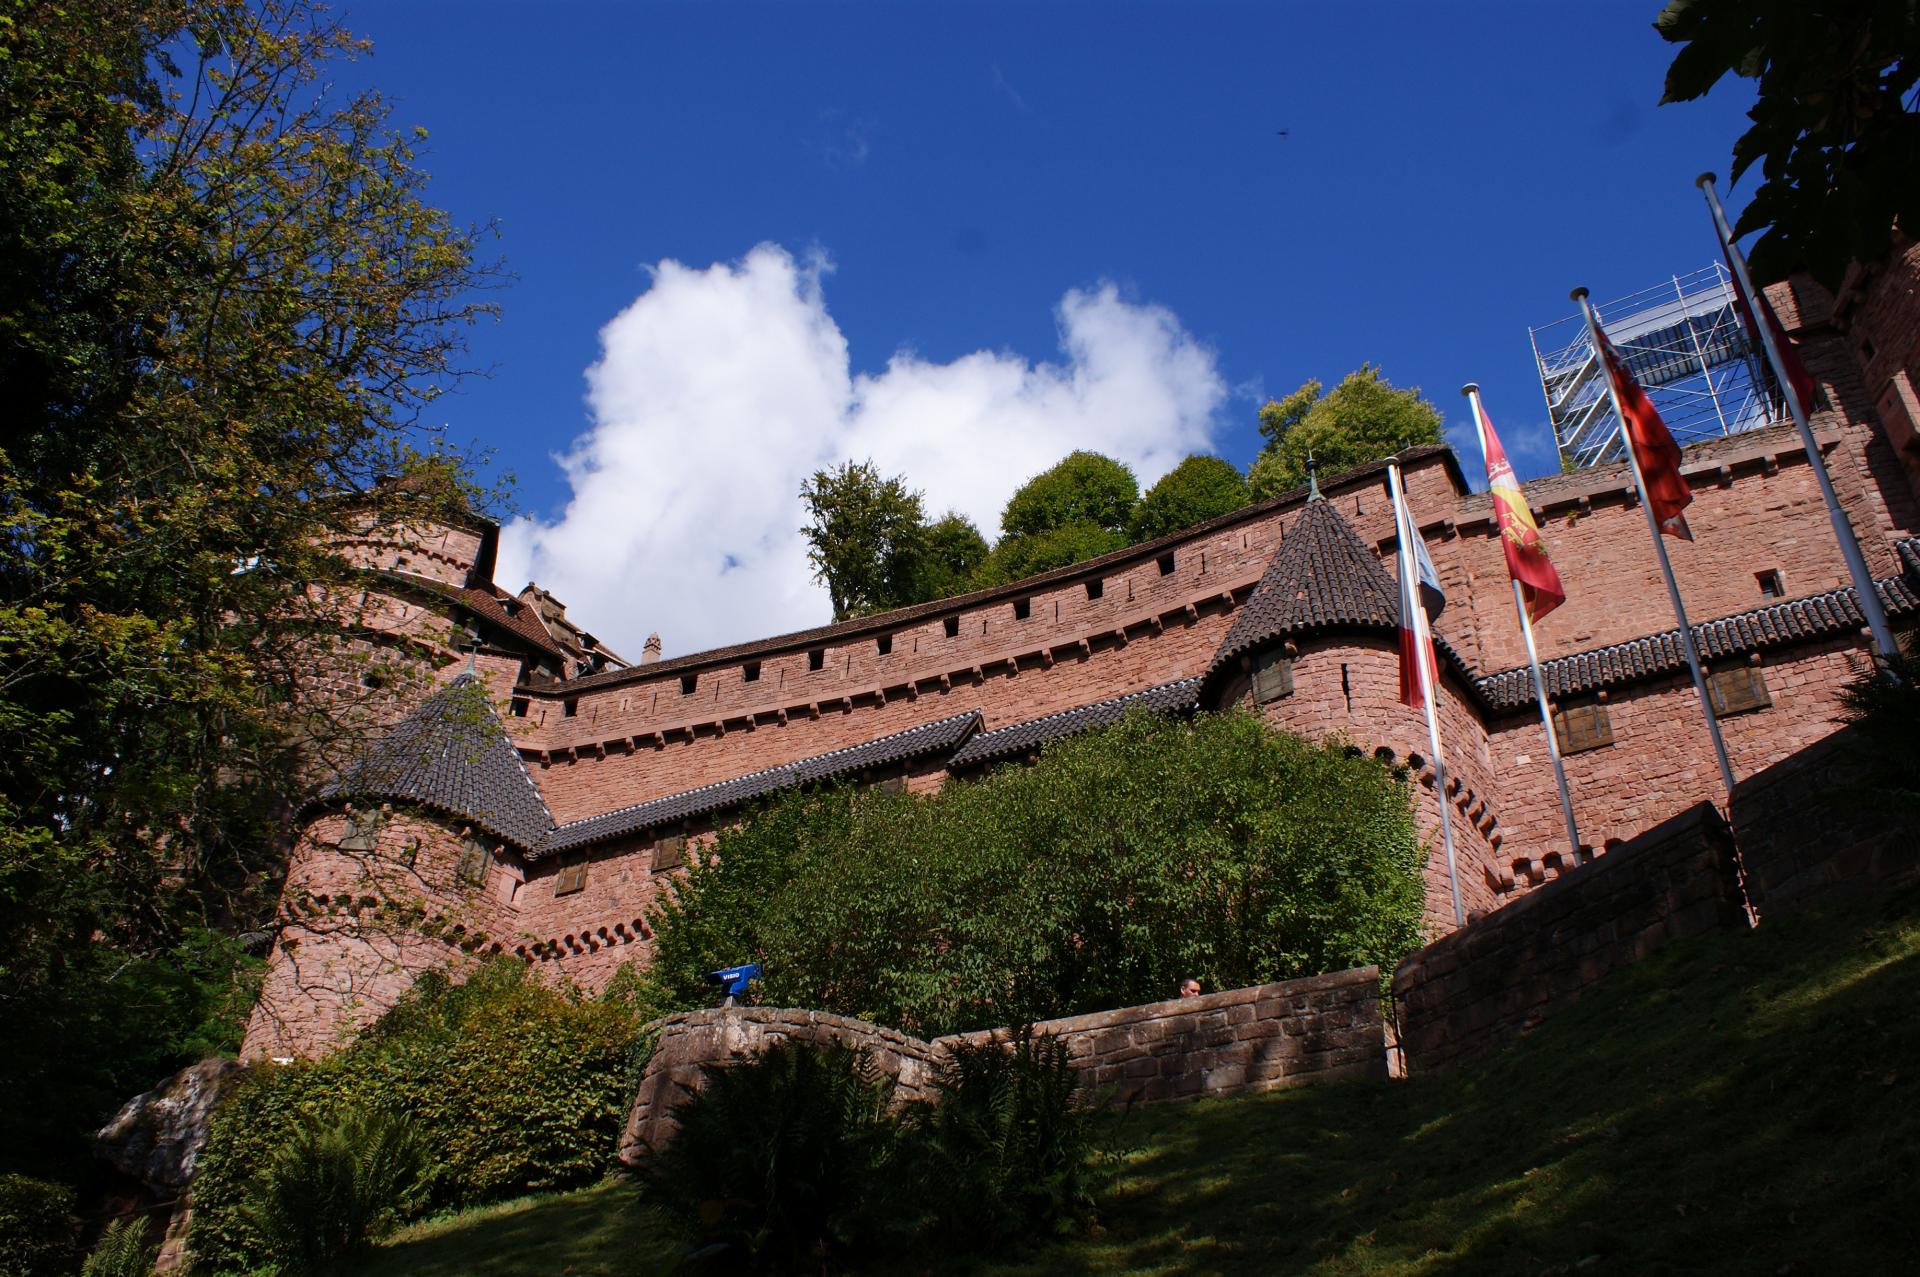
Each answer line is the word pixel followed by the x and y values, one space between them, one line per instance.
pixel 1022 609
pixel 572 877
pixel 1095 589
pixel 953 627
pixel 476 858
pixel 1272 678
pixel 1771 586
pixel 1166 563
pixel 884 644
pixel 894 785
pixel 817 659
pixel 750 672
pixel 363 830
pixel 570 706
pixel 669 851
pixel 688 682
pixel 519 707
pixel 1737 689
pixel 1581 727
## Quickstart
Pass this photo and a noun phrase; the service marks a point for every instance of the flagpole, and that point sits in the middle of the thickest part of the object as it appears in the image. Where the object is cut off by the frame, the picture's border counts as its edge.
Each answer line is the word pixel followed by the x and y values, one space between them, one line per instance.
pixel 1472 391
pixel 1659 548
pixel 1423 644
pixel 1842 529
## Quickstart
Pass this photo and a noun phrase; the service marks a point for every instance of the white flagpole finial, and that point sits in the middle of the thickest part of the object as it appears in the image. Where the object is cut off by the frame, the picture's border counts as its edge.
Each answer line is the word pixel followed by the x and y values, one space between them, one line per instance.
pixel 1577 293
pixel 1705 179
pixel 1471 389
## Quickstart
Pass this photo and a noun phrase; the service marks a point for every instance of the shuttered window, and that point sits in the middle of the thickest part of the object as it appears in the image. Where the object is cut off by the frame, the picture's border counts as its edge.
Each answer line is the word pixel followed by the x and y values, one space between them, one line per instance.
pixel 1737 689
pixel 571 878
pixel 476 858
pixel 1272 678
pixel 363 831
pixel 1582 727
pixel 670 851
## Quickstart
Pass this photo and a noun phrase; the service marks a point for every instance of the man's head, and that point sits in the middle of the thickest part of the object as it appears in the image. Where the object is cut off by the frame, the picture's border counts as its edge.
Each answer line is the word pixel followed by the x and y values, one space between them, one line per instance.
pixel 1189 988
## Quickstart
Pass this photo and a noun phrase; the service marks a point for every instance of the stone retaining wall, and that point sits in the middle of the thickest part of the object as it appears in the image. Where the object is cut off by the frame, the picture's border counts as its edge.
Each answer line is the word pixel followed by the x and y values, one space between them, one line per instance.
pixel 1470 991
pixel 1230 1043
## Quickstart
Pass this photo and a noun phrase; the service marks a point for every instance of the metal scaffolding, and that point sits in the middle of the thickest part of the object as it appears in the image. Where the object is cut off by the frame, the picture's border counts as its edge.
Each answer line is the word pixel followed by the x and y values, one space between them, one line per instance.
pixel 1684 343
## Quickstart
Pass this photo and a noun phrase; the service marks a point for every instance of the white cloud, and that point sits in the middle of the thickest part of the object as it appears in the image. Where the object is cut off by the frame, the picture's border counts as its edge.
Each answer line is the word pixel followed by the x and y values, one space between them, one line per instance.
pixel 719 391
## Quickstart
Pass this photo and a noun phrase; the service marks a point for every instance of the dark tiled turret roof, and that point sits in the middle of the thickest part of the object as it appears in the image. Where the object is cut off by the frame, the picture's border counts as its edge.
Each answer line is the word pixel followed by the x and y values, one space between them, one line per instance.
pixel 452 754
pixel 937 737
pixel 1322 575
pixel 1006 742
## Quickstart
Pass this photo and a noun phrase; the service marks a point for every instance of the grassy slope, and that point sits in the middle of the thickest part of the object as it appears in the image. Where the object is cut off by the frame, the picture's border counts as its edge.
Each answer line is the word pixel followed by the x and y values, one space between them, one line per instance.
pixel 1748 1103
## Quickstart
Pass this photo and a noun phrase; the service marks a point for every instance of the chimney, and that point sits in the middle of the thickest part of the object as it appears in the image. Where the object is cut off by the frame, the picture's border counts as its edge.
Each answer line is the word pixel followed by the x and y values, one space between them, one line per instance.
pixel 651 652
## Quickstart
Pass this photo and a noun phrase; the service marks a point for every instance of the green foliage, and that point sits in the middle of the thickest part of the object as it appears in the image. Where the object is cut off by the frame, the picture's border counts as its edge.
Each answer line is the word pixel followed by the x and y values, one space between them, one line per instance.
pixel 1363 419
pixel 1883 705
pixel 513 1087
pixel 1016 558
pixel 1198 489
pixel 1083 487
pixel 954 552
pixel 37 1228
pixel 866 538
pixel 122 1251
pixel 224 302
pixel 332 1189
pixel 782 1157
pixel 1122 860
pixel 1835 130
pixel 1003 1151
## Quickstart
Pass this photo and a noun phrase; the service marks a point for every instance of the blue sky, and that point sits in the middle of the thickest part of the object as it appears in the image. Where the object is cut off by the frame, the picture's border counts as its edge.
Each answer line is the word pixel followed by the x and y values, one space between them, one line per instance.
pixel 1448 172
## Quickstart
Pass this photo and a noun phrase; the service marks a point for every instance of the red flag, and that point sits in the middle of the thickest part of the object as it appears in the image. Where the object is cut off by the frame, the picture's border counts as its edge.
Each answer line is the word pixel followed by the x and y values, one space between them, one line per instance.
pixel 1527 560
pixel 1797 375
pixel 1667 492
pixel 1416 637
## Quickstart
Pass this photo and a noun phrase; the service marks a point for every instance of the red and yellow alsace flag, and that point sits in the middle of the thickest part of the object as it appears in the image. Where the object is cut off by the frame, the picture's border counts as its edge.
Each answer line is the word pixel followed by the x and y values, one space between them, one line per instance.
pixel 1667 493
pixel 1527 560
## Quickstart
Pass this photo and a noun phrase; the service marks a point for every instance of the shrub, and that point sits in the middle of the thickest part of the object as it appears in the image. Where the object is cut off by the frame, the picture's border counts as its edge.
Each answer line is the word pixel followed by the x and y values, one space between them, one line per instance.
pixel 1883 705
pixel 781 1157
pixel 122 1251
pixel 36 1227
pixel 332 1189
pixel 1122 860
pixel 1003 1150
pixel 513 1087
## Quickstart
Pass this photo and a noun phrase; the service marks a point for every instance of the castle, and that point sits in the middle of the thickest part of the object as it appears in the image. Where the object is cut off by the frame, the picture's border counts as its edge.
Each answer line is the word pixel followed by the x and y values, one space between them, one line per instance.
pixel 537 803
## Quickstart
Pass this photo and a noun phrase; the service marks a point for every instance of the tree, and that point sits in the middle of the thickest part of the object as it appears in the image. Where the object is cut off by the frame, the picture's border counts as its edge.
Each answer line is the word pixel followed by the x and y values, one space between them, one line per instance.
pixel 954 552
pixel 1834 130
pixel 1365 418
pixel 224 307
pixel 867 541
pixel 1198 489
pixel 1083 487
pixel 1076 509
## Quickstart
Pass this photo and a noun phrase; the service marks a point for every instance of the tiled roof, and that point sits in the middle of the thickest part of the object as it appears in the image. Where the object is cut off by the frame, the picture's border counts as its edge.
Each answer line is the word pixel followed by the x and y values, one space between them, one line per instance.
pixel 1794 621
pixel 490 605
pixel 936 737
pixel 452 754
pixel 1322 575
pixel 1909 552
pixel 1005 742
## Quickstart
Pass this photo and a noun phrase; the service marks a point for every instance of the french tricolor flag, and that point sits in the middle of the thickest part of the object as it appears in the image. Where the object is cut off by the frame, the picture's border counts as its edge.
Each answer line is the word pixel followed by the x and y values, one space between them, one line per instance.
pixel 1421 602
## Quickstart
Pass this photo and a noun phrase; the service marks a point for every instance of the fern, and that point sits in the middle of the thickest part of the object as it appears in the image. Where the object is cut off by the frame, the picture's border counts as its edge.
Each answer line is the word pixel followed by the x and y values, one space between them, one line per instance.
pixel 331 1190
pixel 123 1251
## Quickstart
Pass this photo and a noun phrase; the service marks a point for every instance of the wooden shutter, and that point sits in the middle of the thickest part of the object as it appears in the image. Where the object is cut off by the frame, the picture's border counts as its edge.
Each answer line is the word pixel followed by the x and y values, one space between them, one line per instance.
pixel 1582 727
pixel 363 831
pixel 1737 689
pixel 1272 678
pixel 571 878
pixel 670 851
pixel 475 859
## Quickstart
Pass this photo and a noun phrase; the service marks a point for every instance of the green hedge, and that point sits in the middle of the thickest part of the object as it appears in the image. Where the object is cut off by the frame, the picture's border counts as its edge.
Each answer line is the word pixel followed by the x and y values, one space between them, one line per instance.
pixel 515 1087
pixel 38 1231
pixel 1121 861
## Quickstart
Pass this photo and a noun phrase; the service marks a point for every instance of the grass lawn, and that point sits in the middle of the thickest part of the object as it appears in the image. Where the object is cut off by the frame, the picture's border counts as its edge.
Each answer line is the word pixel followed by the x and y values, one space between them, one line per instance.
pixel 1744 1103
